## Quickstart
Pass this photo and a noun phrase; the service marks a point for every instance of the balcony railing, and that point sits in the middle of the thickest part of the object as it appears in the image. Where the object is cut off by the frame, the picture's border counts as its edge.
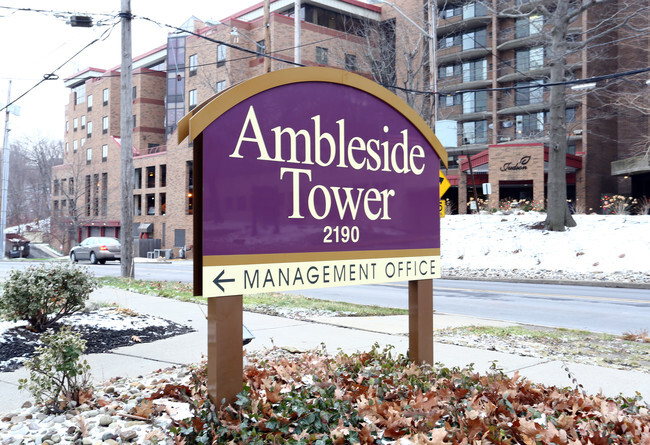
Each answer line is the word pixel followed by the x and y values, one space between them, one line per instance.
pixel 150 151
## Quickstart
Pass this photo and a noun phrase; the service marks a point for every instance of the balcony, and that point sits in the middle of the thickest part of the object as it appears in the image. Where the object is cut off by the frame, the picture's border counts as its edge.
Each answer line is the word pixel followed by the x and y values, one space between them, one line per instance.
pixel 455 24
pixel 523 75
pixel 444 57
pixel 150 151
pixel 456 84
pixel 521 42
pixel 476 116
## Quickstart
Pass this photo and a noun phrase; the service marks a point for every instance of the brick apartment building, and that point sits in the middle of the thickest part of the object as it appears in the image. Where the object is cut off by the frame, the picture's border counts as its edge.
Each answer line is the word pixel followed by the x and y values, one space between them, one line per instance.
pixel 167 83
pixel 481 54
pixel 475 50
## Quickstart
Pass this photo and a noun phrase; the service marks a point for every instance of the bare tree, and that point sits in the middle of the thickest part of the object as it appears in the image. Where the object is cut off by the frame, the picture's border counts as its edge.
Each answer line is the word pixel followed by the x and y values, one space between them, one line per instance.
pixel 398 58
pixel 30 178
pixel 605 19
pixel 77 191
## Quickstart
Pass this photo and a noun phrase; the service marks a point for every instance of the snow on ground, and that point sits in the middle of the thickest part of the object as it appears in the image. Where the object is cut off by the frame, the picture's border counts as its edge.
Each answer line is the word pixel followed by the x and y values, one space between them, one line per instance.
pixel 603 247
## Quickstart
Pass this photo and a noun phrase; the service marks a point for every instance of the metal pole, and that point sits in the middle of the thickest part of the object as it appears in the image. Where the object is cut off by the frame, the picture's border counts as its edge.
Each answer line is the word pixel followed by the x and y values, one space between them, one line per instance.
pixel 126 150
pixel 5 176
pixel 267 35
pixel 296 31
pixel 433 16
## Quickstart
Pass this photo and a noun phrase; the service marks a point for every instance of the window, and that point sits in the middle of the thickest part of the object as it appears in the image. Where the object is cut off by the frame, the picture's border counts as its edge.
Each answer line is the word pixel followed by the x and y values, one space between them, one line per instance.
pixel 475 132
pixel 67 147
pixel 261 46
pixel 104 194
pixel 321 55
pixel 475 39
pixel 192 100
pixel 527 96
pixel 89 102
pixel 96 195
pixel 87 195
pixel 64 207
pixel 71 185
pixel 445 71
pixel 194 64
pixel 137 205
pixel 105 96
pixel 350 62
pixel 75 124
pixel 528 26
pixel 151 204
pixel 133 117
pixel 163 175
pixel 104 153
pixel 571 149
pixel 475 70
pixel 89 155
pixel 56 208
pixel 221 85
pixel 135 92
pixel 83 141
pixel 570 114
pixel 56 187
pixel 451 11
pixel 529 59
pixel 449 41
pixel 105 125
pixel 189 171
pixel 530 125
pixel 74 145
pixel 79 94
pixel 151 177
pixel 137 178
pixel 67 126
pixel 221 55
pixel 474 10
pixel 450 100
pixel 474 101
pixel 89 129
pixel 163 204
pixel 83 122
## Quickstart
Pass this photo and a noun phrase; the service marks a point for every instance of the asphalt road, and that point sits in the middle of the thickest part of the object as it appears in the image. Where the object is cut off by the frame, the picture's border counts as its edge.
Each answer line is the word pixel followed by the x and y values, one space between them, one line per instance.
pixel 598 309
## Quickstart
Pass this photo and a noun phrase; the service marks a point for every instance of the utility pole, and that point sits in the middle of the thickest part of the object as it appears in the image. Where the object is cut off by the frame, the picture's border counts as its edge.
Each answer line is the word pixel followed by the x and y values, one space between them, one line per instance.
pixel 267 35
pixel 5 177
pixel 296 31
pixel 126 149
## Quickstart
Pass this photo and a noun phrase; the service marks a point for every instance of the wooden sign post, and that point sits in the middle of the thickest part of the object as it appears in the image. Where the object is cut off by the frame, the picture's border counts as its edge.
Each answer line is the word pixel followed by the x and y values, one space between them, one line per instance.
pixel 310 178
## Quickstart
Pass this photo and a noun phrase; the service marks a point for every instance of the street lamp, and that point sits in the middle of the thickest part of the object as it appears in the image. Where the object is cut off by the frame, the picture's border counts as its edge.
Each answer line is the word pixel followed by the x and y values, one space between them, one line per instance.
pixel 433 16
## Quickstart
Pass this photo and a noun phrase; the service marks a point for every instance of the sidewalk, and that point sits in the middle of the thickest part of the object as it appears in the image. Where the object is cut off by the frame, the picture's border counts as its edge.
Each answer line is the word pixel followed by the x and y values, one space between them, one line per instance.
pixel 346 333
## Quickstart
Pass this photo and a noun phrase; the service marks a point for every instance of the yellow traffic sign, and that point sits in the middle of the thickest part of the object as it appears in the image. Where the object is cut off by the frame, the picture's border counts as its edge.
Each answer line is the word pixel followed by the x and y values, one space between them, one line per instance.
pixel 444 184
pixel 443 207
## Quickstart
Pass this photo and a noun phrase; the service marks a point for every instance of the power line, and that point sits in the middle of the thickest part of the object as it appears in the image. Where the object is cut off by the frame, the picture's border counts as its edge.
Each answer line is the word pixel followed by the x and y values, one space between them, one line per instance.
pixel 220 42
pixel 52 75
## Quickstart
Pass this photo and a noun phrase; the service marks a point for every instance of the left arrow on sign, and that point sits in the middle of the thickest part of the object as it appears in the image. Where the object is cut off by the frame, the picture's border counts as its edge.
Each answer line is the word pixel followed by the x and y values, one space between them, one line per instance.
pixel 220 280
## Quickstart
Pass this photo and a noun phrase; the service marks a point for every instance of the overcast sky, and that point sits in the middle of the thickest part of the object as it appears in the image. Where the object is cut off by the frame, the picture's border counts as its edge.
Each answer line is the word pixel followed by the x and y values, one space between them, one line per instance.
pixel 36 43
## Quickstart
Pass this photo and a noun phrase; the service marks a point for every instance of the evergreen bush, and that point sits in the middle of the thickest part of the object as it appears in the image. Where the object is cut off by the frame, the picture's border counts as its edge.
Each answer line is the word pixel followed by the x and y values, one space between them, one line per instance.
pixel 43 294
pixel 57 375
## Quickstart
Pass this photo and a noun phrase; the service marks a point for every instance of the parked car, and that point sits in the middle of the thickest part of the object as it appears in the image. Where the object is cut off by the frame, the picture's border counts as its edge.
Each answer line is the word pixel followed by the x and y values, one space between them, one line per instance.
pixel 96 249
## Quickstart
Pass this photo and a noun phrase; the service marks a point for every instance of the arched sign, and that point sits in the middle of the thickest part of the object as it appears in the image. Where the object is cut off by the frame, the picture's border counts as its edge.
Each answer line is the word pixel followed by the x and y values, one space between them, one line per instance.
pixel 314 177
pixel 305 178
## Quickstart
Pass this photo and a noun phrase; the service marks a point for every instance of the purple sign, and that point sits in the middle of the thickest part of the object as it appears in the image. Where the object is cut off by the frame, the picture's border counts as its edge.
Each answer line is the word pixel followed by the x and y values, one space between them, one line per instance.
pixel 301 171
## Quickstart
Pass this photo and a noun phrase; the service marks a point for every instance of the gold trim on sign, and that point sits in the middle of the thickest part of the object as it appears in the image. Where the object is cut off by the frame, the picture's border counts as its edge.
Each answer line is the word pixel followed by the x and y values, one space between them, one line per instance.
pixel 272 258
pixel 200 119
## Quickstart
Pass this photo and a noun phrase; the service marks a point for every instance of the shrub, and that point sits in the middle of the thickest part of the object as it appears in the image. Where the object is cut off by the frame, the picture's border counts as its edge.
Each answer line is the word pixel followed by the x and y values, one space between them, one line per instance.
pixel 56 373
pixel 43 294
